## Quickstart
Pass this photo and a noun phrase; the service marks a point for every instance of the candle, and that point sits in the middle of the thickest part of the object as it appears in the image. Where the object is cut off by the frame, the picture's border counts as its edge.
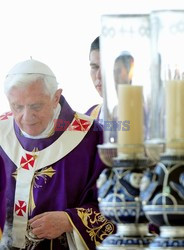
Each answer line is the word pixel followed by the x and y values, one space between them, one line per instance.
pixel 130 107
pixel 175 114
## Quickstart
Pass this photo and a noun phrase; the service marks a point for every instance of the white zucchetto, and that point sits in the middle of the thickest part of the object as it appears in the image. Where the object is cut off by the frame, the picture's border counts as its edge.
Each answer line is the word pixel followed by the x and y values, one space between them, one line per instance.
pixel 31 67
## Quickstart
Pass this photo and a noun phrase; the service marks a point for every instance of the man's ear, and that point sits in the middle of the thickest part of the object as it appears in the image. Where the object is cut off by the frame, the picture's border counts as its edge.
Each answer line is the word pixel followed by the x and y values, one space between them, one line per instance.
pixel 56 97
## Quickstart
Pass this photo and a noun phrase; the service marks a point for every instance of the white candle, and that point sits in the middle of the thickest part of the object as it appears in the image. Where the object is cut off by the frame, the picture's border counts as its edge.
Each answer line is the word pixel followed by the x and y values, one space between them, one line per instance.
pixel 175 114
pixel 130 107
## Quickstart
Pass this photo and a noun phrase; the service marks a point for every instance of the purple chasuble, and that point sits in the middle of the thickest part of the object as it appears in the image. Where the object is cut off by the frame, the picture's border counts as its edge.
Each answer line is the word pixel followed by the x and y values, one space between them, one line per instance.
pixel 69 185
pixel 2 197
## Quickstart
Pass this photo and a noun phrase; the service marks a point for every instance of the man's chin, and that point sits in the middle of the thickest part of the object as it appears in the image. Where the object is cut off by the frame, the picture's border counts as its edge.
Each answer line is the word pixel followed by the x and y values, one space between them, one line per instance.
pixel 99 89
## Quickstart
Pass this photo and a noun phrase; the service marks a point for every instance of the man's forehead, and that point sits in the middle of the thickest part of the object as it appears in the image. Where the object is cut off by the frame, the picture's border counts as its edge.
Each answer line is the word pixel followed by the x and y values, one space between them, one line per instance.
pixel 94 57
pixel 27 104
pixel 19 101
pixel 31 93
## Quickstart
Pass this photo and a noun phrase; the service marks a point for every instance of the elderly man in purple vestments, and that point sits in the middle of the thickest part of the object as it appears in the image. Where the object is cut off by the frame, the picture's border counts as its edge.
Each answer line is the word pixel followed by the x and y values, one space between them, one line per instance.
pixel 2 197
pixel 52 163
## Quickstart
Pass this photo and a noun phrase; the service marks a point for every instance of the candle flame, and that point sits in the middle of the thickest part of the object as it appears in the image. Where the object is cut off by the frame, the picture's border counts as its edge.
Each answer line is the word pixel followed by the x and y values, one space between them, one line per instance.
pixel 124 68
pixel 131 72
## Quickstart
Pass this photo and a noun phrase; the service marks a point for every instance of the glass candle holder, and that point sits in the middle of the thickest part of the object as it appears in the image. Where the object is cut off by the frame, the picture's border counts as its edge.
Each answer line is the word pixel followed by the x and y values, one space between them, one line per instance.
pixel 167 112
pixel 125 63
pixel 163 189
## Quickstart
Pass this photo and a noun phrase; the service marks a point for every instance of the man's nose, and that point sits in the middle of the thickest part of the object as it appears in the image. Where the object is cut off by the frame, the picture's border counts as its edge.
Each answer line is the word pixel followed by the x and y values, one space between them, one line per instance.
pixel 28 114
pixel 98 73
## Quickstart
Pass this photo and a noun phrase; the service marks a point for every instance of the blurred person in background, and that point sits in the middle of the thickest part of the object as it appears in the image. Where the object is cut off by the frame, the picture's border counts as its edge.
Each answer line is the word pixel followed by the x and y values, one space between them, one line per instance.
pixel 96 111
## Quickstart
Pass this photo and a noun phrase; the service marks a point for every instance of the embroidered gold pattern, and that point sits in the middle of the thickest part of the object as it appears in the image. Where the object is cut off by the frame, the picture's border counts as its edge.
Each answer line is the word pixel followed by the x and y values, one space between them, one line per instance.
pixel 98 227
pixel 14 174
pixel 44 173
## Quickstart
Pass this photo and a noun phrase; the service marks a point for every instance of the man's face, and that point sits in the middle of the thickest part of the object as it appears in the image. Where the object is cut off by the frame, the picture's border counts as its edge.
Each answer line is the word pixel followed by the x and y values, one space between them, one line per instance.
pixel 32 107
pixel 95 71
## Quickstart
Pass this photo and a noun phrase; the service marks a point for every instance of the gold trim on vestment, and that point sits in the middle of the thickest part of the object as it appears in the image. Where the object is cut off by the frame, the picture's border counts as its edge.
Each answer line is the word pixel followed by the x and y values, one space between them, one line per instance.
pixel 95 112
pixel 91 219
pixel 77 232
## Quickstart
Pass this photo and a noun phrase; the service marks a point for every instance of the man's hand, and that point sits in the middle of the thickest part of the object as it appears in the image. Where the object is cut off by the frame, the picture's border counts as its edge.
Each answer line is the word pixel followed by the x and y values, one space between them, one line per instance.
pixel 50 225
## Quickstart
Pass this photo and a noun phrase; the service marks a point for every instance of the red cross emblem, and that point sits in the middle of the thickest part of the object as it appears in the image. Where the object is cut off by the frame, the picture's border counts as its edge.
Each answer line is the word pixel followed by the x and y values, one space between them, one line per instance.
pixel 20 208
pixel 80 125
pixel 5 115
pixel 28 161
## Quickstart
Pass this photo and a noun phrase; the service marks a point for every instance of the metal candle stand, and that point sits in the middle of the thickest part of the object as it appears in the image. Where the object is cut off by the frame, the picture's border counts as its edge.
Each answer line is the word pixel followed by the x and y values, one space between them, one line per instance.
pixel 132 194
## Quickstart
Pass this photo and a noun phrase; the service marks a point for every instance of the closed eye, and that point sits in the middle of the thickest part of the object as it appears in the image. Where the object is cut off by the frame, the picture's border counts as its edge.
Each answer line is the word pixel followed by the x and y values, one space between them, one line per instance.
pixel 36 107
pixel 17 108
pixel 94 66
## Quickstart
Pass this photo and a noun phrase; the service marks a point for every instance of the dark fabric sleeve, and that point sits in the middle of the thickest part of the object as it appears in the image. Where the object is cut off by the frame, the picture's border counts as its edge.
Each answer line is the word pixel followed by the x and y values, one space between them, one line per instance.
pixel 91 225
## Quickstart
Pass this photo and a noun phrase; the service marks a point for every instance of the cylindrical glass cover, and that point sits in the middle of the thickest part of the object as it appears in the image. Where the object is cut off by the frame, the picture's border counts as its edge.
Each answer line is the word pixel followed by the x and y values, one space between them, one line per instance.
pixel 125 63
pixel 167 107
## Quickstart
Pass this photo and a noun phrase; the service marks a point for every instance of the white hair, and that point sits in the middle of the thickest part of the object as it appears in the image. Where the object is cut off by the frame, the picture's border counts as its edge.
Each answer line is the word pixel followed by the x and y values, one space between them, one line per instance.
pixel 22 80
